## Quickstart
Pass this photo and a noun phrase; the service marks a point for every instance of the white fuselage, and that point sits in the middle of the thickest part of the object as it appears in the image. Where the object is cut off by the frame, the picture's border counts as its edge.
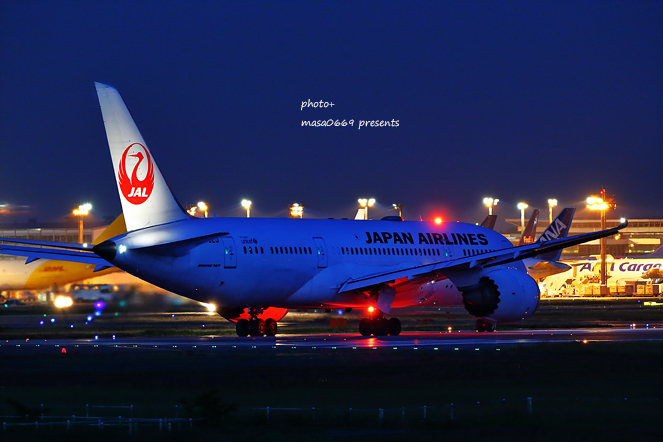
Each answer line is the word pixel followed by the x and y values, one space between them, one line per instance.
pixel 296 263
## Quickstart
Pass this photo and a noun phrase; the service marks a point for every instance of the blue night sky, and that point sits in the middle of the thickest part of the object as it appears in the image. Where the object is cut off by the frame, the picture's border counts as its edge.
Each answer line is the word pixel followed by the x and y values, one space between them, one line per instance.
pixel 519 100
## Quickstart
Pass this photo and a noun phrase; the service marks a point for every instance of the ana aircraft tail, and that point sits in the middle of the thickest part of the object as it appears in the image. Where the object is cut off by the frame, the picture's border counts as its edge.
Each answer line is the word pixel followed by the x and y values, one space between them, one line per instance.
pixel 145 196
pixel 559 228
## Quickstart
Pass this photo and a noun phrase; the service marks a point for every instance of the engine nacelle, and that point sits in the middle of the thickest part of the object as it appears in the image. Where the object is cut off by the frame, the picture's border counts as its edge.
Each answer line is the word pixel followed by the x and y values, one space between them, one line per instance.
pixel 502 295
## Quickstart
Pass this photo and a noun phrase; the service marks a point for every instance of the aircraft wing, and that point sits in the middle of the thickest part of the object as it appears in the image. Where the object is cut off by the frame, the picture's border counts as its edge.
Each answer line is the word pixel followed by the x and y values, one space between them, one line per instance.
pixel 82 253
pixel 490 259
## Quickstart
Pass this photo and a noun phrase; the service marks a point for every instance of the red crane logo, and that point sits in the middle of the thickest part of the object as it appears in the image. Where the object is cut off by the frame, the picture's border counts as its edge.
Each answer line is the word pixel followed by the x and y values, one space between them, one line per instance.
pixel 134 189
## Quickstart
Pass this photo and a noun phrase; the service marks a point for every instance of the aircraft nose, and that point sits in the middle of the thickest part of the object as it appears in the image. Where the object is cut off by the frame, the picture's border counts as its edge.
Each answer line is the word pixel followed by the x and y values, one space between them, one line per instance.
pixel 107 250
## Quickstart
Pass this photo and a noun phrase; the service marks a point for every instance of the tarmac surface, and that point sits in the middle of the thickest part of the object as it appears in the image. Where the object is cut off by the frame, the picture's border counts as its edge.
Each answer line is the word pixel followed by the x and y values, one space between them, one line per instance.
pixel 418 340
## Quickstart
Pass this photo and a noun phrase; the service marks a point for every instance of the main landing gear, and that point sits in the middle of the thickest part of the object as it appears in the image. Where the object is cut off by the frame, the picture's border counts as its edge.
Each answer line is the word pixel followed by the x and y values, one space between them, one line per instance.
pixel 256 326
pixel 486 326
pixel 378 325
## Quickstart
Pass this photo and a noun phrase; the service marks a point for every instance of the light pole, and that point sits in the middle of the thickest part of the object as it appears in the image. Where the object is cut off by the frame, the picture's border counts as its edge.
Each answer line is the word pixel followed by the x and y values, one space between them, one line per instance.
pixel 602 204
pixel 202 206
pixel 297 211
pixel 522 207
pixel 399 207
pixel 247 205
pixel 366 203
pixel 490 202
pixel 551 204
pixel 82 211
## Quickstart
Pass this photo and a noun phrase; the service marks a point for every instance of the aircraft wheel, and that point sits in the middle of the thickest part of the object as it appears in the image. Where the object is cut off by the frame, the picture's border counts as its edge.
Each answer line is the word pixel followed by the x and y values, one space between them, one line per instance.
pixel 365 327
pixel 270 327
pixel 381 327
pixel 242 327
pixel 394 327
pixel 257 327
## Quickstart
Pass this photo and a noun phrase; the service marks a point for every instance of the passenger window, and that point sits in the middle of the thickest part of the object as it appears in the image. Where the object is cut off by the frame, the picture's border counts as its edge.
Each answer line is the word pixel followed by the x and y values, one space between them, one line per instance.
pixel 245 250
pixel 261 250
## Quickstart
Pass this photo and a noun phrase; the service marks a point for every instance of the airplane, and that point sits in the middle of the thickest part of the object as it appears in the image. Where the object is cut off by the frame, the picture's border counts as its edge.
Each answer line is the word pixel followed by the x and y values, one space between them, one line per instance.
pixel 17 274
pixel 619 271
pixel 256 264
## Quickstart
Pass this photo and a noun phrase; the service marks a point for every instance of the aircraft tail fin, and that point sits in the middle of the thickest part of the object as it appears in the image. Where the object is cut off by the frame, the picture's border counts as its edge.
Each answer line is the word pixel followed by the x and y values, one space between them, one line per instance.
pixel 489 222
pixel 116 228
pixel 145 196
pixel 559 228
pixel 530 230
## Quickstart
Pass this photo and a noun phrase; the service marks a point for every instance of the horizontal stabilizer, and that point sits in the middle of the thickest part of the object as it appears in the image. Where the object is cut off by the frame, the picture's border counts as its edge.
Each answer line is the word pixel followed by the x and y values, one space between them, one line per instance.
pixel 55 244
pixel 548 266
pixel 64 255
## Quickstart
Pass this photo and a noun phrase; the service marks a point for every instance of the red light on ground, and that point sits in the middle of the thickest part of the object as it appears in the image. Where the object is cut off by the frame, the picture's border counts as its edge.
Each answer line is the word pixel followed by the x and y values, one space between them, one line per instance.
pixel 371 309
pixel 64 350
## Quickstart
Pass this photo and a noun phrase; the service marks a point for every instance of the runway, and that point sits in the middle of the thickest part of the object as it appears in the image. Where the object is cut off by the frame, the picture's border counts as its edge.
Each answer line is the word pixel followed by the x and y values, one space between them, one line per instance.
pixel 412 341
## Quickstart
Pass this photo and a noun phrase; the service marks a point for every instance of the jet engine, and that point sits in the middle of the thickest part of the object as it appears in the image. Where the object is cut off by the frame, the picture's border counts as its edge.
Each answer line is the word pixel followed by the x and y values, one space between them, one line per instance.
pixel 502 295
